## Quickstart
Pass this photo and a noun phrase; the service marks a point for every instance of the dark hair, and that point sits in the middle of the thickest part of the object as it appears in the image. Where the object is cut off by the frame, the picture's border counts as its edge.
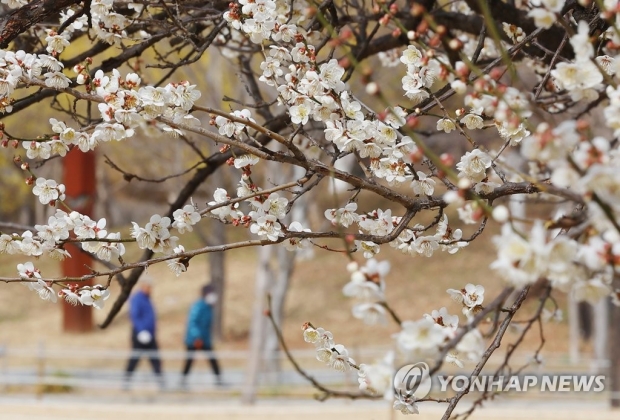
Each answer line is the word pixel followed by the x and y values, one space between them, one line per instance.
pixel 206 289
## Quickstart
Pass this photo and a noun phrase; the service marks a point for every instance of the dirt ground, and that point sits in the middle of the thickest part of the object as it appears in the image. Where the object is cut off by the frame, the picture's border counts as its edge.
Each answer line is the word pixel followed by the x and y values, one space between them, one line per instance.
pixel 285 410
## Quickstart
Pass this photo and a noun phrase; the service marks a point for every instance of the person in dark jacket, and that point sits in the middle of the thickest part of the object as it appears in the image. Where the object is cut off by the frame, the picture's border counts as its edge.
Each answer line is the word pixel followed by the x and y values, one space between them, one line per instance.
pixel 198 334
pixel 143 332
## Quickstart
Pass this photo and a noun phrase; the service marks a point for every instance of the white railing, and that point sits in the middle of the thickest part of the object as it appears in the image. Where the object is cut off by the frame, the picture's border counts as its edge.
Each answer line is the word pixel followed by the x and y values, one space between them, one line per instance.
pixel 50 369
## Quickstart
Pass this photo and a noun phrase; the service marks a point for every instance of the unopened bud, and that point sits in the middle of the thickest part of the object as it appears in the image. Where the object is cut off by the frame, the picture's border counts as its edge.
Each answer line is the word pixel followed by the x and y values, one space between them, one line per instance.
pixel 372 88
pixel 455 44
pixel 500 214
pixel 582 125
pixel 345 63
pixel 453 197
pixel 417 155
pixel 496 73
pixel 310 12
pixel 352 267
pixel 417 10
pixel 464 183
pixel 446 159
pixel 461 69
pixel 412 121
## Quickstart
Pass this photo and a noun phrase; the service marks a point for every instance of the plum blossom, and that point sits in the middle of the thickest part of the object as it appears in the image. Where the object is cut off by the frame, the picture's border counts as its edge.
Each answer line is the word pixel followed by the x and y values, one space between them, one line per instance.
pixel 293 244
pixel 319 337
pixel 339 358
pixel 423 185
pixel 446 125
pixel 345 216
pixel 176 265
pixel 37 149
pixel 9 244
pixel 471 297
pixel 377 378
pixel 371 313
pixel 442 318
pixel 27 271
pixel 48 190
pixel 472 121
pixel 223 212
pixel 473 165
pixel 542 18
pixel 110 250
pixel 14 4
pixel 267 226
pixel 56 80
pixel 275 205
pixel 591 291
pixel 471 347
pixel 56 43
pixel 369 248
pixel 411 56
pixel 406 404
pixel 185 218
pixel 94 296
pixel 45 291
pixel 420 338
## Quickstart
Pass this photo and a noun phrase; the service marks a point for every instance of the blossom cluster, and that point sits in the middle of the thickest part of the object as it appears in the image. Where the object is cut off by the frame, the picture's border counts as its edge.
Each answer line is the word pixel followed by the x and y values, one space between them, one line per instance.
pixel 367 287
pixel 334 355
pixel 86 295
pixel 585 269
pixel 566 155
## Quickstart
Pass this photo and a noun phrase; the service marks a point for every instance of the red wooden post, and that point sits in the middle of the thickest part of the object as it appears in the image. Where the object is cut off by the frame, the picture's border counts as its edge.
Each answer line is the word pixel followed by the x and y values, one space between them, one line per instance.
pixel 80 186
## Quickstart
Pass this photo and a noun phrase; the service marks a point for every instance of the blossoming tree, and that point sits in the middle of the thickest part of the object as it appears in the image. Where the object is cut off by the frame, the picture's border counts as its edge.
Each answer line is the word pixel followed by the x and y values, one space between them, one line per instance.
pixel 534 76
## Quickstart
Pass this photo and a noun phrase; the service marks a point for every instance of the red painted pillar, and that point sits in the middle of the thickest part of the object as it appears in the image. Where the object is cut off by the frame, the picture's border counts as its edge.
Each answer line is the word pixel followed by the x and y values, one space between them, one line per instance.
pixel 80 185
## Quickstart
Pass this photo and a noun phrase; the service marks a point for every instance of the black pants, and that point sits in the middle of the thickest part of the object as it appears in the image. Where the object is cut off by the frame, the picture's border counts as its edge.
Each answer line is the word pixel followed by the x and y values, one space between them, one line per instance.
pixel 191 352
pixel 139 350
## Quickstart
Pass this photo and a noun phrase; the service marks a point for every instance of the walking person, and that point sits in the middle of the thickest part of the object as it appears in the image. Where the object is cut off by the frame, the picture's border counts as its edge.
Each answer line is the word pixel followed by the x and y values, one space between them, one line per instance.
pixel 143 332
pixel 198 334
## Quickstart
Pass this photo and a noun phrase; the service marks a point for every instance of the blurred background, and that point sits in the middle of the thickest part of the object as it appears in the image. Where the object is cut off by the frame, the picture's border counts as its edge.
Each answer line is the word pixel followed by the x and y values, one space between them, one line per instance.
pixel 81 373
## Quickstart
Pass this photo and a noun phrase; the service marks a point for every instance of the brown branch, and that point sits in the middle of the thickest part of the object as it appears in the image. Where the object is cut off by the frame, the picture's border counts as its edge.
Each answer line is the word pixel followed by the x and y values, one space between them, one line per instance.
pixel 127 176
pixel 327 393
pixel 212 164
pixel 20 20
pixel 489 351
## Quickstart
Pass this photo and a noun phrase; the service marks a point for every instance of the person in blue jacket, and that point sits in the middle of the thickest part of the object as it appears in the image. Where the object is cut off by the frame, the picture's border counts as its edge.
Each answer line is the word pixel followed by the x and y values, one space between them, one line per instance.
pixel 143 332
pixel 198 334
